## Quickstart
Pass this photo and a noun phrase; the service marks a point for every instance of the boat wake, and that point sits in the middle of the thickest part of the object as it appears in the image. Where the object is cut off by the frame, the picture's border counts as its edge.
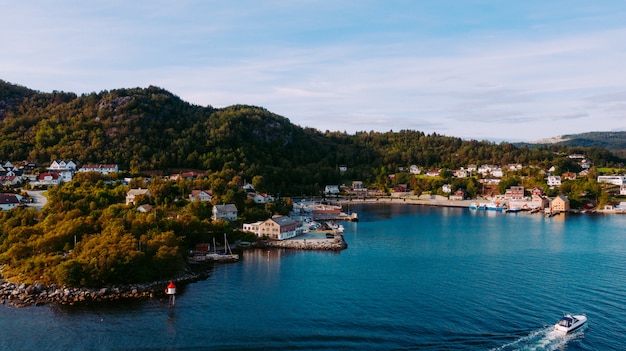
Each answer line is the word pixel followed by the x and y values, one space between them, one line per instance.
pixel 545 339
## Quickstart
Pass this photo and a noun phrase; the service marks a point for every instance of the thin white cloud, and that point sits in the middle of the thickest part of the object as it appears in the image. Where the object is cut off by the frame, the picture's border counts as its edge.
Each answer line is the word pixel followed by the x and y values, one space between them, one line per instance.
pixel 495 82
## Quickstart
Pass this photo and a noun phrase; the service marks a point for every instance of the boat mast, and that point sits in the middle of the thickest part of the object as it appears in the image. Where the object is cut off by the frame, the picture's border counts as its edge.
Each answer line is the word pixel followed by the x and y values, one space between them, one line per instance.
pixel 226 245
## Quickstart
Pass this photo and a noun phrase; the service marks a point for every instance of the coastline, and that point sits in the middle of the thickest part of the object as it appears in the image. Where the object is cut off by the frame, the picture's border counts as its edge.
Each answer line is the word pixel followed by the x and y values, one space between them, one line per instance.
pixel 441 201
pixel 38 294
pixel 21 295
pixel 431 201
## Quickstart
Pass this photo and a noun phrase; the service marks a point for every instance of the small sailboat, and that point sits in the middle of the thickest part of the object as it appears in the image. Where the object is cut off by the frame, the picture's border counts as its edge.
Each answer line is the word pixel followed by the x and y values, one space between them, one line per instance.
pixel 226 256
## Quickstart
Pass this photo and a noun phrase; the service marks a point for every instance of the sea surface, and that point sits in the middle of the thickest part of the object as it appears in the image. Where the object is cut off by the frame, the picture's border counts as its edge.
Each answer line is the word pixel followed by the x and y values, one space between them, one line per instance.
pixel 412 278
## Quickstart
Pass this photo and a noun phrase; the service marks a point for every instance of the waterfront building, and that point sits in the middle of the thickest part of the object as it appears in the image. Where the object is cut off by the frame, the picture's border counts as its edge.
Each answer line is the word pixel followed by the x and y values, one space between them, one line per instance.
pixel 458 195
pixel 559 204
pixel 277 227
pixel 357 186
pixel 514 193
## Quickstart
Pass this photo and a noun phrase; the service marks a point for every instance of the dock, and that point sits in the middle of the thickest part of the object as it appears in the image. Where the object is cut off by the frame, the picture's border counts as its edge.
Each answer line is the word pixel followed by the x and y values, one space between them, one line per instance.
pixel 313 240
pixel 213 257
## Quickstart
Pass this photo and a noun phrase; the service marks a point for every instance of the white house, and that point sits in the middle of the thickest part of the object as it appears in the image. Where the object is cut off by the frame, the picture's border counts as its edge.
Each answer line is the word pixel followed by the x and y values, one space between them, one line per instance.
pixel 201 195
pixel 514 167
pixel 497 172
pixel 485 169
pixel 554 181
pixel 414 169
pixel 585 164
pixel 613 179
pixel 227 212
pixel 100 168
pixel 133 193
pixel 446 188
pixel 65 169
pixel 262 198
pixel 331 189
pixel 357 186
pixel 8 170
pixel 461 173
pixel 9 180
pixel 48 178
pixel 433 173
pixel 145 208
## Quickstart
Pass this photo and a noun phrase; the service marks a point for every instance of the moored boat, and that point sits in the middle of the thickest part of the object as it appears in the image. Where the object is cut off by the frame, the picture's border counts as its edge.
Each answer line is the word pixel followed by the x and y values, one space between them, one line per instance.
pixel 476 206
pixel 494 206
pixel 226 256
pixel 570 323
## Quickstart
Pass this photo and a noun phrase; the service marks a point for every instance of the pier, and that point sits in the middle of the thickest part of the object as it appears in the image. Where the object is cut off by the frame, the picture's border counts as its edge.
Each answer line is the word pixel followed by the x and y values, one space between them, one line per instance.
pixel 313 240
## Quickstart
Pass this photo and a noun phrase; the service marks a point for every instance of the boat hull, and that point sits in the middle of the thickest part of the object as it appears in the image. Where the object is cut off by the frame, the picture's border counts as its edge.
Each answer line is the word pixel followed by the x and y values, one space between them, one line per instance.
pixel 569 324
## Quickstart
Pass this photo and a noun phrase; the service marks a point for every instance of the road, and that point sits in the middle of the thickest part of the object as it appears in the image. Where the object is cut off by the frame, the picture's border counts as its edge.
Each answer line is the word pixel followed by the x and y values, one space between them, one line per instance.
pixel 39 200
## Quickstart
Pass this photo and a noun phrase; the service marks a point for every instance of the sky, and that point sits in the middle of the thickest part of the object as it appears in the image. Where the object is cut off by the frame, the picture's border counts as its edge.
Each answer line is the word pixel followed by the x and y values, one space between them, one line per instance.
pixel 483 70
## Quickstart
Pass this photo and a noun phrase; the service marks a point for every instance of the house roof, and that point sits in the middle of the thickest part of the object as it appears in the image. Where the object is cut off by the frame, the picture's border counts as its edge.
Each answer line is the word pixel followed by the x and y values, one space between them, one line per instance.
pixel 138 192
pixel 283 220
pixel 198 192
pixel 226 208
pixel 43 176
pixel 9 199
pixel 144 208
pixel 562 197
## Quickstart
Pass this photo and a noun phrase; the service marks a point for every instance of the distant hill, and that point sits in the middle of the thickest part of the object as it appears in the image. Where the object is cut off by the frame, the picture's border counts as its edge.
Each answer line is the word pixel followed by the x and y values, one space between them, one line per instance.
pixel 613 141
pixel 143 129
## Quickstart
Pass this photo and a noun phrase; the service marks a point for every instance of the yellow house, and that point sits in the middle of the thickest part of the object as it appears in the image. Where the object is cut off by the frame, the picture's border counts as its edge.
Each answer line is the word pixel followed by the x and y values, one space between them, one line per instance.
pixel 559 204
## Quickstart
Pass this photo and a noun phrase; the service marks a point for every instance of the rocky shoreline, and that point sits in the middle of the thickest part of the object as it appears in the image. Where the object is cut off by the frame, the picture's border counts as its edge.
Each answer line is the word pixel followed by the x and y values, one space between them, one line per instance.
pixel 21 295
pixel 336 244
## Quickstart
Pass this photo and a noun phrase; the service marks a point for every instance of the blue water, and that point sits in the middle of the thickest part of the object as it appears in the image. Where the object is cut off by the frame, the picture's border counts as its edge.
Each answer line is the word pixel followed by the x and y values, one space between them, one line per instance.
pixel 412 278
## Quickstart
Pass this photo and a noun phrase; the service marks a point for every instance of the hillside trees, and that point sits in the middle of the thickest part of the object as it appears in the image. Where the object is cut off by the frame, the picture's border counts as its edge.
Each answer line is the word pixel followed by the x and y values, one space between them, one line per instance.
pixel 148 129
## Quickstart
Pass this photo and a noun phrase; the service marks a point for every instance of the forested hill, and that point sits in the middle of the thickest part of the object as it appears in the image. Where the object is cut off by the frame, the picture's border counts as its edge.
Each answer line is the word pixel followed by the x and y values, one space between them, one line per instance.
pixel 606 140
pixel 151 129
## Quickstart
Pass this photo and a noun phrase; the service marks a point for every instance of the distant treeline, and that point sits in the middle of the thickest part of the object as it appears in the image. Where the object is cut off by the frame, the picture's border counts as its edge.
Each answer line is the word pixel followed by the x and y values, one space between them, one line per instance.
pixel 152 129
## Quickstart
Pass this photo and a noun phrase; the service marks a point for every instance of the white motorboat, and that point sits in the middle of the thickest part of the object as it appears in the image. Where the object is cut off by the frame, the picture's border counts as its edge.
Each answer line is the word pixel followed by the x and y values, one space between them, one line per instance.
pixel 570 323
